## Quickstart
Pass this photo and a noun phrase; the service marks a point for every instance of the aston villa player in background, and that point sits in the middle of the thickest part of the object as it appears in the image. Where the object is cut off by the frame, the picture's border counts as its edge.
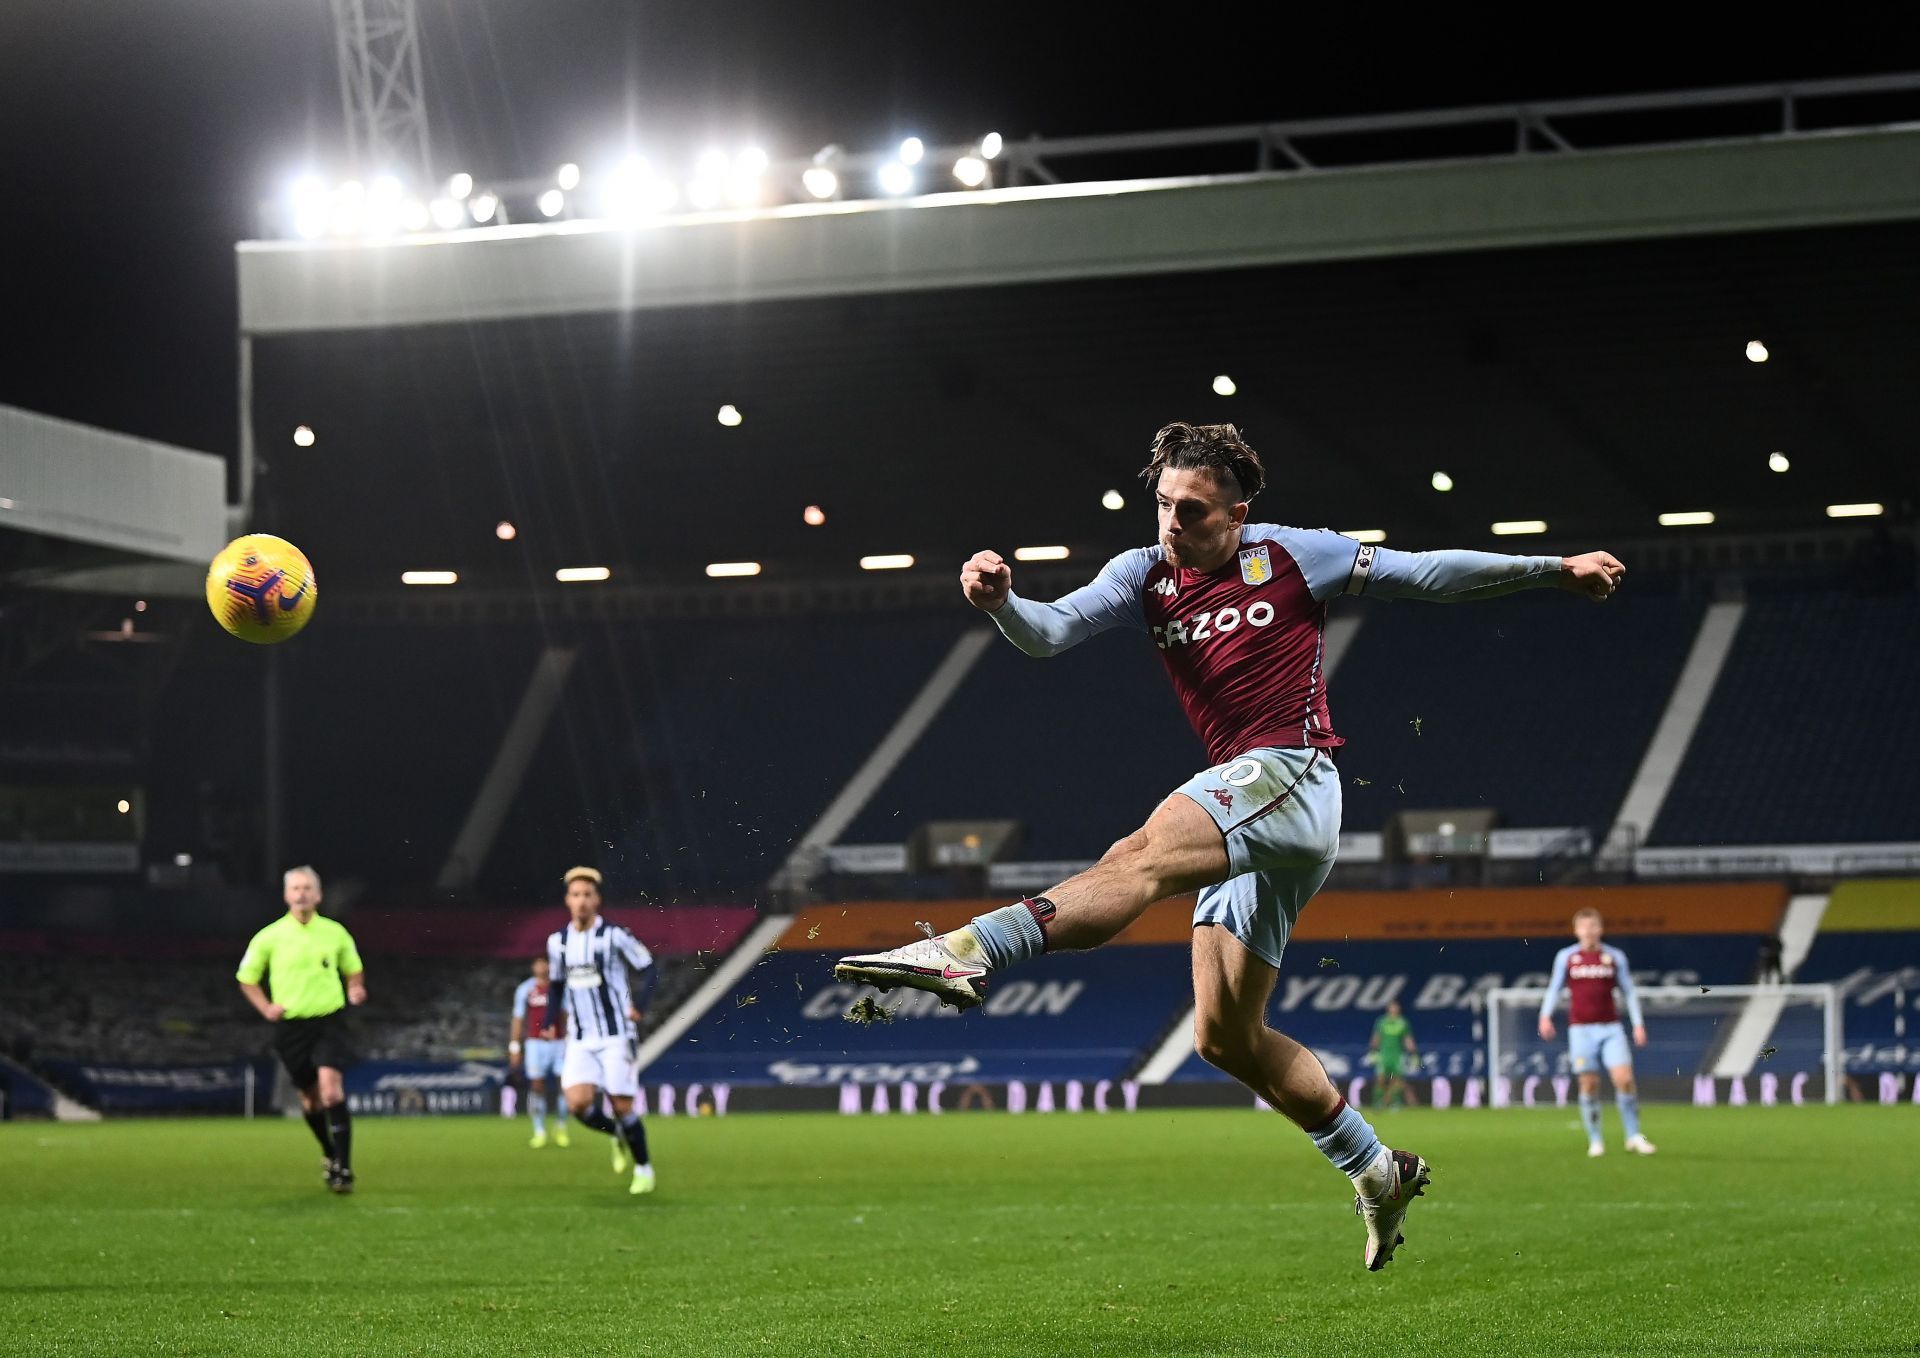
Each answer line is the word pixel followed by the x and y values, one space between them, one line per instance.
pixel 536 1046
pixel 1590 971
pixel 1237 610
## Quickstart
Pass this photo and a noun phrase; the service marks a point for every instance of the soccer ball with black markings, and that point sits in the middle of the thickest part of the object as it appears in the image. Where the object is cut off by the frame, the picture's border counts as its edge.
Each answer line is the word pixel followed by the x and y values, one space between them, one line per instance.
pixel 261 588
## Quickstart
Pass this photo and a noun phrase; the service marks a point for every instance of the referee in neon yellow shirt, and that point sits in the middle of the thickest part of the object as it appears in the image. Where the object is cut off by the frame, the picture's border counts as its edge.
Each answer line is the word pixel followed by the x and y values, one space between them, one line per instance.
pixel 308 958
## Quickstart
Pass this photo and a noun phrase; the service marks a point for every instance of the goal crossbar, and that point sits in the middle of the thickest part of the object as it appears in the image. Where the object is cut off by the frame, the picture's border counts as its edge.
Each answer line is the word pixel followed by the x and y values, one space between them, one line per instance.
pixel 1759 1009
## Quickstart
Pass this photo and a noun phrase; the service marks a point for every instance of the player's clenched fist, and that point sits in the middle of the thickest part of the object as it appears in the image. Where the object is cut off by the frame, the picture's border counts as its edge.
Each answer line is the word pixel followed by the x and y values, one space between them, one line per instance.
pixel 986 580
pixel 1594 574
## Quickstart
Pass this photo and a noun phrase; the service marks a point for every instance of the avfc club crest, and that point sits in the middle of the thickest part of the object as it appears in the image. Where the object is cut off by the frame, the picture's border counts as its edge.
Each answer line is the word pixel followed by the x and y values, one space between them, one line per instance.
pixel 1256 567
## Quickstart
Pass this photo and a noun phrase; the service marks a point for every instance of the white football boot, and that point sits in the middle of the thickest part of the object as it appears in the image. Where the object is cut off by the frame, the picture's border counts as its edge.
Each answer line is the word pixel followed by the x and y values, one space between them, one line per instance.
pixel 1639 1145
pixel 954 970
pixel 1408 1179
pixel 1596 1149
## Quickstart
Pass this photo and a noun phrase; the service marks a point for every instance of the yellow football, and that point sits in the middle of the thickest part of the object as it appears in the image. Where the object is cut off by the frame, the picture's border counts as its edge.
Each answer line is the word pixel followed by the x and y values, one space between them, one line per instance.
pixel 261 588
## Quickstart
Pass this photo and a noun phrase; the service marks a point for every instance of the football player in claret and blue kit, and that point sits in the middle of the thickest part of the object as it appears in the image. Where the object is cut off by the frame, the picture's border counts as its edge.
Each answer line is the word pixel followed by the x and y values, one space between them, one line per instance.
pixel 1238 611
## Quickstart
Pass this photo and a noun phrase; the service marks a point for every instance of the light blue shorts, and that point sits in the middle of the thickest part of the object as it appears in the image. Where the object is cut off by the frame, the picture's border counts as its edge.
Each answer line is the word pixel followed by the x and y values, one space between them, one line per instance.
pixel 1279 812
pixel 1593 1045
pixel 544 1056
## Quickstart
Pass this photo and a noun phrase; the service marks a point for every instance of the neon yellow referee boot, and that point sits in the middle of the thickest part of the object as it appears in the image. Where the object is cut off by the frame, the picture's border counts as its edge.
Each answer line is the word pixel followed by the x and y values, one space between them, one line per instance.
pixel 622 1158
pixel 560 1136
pixel 539 1140
pixel 642 1181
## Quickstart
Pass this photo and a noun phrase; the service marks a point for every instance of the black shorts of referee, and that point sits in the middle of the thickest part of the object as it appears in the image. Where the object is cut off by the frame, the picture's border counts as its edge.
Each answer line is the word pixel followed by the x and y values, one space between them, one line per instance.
pixel 304 1045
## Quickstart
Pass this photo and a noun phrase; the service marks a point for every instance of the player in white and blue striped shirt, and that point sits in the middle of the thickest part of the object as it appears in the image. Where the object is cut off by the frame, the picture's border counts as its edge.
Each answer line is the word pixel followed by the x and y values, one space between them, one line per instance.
pixel 600 965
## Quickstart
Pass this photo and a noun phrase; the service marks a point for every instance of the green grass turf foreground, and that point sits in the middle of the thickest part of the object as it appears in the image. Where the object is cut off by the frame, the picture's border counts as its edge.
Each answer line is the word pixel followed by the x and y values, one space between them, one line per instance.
pixel 1754 1231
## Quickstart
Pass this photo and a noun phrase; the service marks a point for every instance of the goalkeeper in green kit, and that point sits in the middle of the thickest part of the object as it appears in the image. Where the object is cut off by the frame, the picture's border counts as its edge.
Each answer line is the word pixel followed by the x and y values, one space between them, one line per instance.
pixel 1394 1052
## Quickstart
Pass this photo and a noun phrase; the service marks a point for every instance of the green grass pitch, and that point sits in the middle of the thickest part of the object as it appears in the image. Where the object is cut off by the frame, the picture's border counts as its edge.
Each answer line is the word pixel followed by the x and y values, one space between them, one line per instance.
pixel 1754 1231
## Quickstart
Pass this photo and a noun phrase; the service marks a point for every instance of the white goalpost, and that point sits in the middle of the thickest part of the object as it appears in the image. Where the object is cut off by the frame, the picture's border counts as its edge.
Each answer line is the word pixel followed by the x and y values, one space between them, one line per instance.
pixel 1695 1033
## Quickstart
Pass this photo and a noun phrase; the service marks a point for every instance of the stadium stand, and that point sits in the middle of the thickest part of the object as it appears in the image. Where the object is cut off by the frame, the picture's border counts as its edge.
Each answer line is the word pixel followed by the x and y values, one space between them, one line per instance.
pixel 1486 724
pixel 1439 952
pixel 1811 736
pixel 441 984
pixel 1085 1016
pixel 689 770
pixel 1078 748
pixel 1869 945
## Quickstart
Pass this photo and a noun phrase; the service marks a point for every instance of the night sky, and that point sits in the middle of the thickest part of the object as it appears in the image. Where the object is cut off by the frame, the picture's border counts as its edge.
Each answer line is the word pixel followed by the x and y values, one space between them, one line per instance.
pixel 140 135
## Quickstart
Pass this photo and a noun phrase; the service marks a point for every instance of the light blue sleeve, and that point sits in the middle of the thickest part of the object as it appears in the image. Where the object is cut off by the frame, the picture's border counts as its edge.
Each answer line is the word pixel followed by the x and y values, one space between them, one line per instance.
pixel 1623 977
pixel 1111 599
pixel 1557 983
pixel 1447 577
pixel 520 993
pixel 1325 558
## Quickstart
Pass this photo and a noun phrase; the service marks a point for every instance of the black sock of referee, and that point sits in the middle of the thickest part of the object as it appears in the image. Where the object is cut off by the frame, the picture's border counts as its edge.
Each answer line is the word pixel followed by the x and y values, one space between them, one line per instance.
pixel 635 1131
pixel 340 1128
pixel 317 1124
pixel 596 1120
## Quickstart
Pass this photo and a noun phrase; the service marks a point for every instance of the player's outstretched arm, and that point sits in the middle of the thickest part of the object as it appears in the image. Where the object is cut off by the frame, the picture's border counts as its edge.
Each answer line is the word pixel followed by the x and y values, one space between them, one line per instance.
pixel 1112 599
pixel 1455 576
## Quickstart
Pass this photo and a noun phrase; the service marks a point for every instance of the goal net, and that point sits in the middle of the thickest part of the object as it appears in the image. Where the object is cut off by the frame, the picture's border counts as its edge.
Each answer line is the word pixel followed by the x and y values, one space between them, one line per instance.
pixel 1731 1043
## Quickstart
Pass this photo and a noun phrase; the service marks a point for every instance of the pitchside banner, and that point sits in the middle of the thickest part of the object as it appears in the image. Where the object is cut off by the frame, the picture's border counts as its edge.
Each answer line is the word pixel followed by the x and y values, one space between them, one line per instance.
pixel 119 1088
pixel 416 1087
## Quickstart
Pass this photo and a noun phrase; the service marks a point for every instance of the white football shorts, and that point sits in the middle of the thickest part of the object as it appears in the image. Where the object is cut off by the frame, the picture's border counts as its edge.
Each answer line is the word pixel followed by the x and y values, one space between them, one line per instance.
pixel 603 1061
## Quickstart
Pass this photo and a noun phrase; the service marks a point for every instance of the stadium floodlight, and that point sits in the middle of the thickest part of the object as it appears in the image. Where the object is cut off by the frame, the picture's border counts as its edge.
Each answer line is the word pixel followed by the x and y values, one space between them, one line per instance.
pixel 895 178
pixel 1224 386
pixel 730 416
pixel 552 203
pixel 710 174
pixel 1441 482
pixel 414 215
pixel 1866 510
pixel 1686 518
pixel 460 187
pixel 577 575
pixel 483 206
pixel 753 160
pixel 990 145
pixel 1777 462
pixel 123 806
pixel 1365 534
pixel 1113 499
pixel 429 578
pixel 183 860
pixel 1508 528
pixel 385 188
pixel 814 516
pixel 139 605
pixel 820 181
pixel 302 436
pixel 1055 553
pixel 567 177
pixel 897 562
pixel 349 209
pixel 307 204
pixel 447 213
pixel 633 190
pixel 971 171
pixel 505 531
pixel 721 570
pixel 1756 352
pixel 911 150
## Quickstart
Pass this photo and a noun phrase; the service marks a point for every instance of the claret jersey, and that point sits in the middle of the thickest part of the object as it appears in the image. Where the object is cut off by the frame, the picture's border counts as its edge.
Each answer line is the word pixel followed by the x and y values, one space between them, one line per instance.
pixel 1244 645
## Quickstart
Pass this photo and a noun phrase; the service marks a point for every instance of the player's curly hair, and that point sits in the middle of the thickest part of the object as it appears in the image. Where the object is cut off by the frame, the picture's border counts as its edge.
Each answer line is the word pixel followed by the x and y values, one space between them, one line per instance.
pixel 1218 447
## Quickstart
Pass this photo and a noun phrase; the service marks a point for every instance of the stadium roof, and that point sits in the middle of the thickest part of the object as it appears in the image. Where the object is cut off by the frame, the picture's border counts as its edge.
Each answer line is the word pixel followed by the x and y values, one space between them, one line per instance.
pixel 1591 386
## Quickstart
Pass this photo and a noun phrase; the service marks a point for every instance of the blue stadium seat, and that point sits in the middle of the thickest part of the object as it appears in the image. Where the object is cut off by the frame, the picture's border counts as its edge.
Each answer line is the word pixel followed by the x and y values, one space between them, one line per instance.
pixel 1812 735
pixel 1538 705
pixel 688 755
pixel 1078 748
